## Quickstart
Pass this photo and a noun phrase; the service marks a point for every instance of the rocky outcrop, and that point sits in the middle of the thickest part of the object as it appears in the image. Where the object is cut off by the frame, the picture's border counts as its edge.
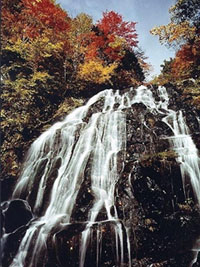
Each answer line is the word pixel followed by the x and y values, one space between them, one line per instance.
pixel 16 214
pixel 160 223
pixel 165 224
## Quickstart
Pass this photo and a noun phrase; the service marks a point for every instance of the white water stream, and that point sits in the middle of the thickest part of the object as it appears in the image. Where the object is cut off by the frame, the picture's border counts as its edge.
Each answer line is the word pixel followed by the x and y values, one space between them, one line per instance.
pixel 72 143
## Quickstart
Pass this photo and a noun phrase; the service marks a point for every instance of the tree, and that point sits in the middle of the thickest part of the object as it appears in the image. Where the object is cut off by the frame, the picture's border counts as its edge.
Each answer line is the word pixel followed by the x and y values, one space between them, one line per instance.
pixel 186 10
pixel 183 33
pixel 112 24
pixel 34 45
pixel 175 34
pixel 111 42
pixel 187 61
pixel 184 25
pixel 100 74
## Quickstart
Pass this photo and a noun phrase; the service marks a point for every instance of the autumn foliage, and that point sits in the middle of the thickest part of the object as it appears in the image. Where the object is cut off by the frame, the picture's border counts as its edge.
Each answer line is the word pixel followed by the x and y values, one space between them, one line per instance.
pixel 47 56
pixel 112 24
pixel 41 32
pixel 99 73
pixel 182 33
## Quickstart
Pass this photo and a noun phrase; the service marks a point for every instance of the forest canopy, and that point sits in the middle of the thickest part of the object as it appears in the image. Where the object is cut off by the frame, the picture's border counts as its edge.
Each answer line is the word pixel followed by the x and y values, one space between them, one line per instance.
pixel 44 43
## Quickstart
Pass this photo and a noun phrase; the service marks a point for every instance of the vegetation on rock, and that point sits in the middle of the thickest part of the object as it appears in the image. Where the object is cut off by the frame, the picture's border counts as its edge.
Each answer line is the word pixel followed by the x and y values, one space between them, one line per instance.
pixel 149 159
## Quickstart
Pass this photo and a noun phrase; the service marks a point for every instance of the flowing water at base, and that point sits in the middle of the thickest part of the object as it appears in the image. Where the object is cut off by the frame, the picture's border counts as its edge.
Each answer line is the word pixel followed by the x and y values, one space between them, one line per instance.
pixel 100 139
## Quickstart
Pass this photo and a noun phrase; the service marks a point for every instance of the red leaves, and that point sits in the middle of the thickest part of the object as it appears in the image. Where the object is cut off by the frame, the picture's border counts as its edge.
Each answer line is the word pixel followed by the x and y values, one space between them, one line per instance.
pixel 112 23
pixel 47 29
pixel 110 37
pixel 32 18
pixel 47 14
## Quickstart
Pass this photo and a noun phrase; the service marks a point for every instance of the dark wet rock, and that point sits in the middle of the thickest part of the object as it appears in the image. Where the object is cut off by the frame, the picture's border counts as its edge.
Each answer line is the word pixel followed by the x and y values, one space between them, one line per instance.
pixel 168 238
pixel 2 222
pixel 83 204
pixel 64 250
pixel 196 138
pixel 7 184
pixel 17 214
pixel 149 199
pixel 11 244
pixel 96 107
pixel 197 263
pixel 67 245
pixel 161 129
pixel 138 108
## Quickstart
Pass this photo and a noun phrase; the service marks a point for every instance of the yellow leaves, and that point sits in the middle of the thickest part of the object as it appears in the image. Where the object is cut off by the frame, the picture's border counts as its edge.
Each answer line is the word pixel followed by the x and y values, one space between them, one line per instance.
pixel 24 83
pixel 20 90
pixel 24 88
pixel 46 46
pixel 182 30
pixel 35 2
pixel 10 159
pixel 94 71
pixel 43 47
pixel 40 76
pixel 19 46
pixel 173 8
pixel 67 106
pixel 40 47
pixel 80 26
pixel 174 32
pixel 118 42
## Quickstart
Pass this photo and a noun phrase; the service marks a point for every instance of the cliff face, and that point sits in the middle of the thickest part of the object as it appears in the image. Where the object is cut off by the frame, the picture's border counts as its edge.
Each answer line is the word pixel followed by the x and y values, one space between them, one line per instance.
pixel 153 220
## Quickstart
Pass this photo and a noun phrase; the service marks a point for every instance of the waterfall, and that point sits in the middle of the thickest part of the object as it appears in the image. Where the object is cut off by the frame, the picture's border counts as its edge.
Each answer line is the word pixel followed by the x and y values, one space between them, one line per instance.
pixel 186 150
pixel 56 167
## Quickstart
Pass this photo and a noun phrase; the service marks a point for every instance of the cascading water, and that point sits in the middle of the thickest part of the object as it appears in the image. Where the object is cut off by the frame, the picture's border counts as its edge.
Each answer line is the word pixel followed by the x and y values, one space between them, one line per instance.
pixel 55 168
pixel 186 150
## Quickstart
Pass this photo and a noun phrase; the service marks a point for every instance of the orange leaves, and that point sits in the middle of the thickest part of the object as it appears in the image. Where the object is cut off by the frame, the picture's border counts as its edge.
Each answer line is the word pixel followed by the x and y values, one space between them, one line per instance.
pixel 34 24
pixel 47 14
pixel 32 18
pixel 186 58
pixel 93 43
pixel 184 32
pixel 11 21
pixel 99 49
pixel 110 37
